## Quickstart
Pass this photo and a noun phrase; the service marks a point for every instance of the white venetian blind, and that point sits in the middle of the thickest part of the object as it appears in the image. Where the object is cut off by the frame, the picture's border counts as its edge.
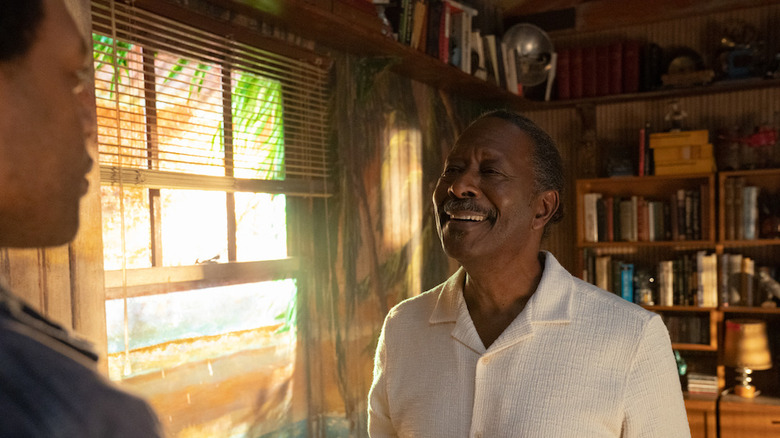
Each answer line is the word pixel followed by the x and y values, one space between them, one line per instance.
pixel 182 108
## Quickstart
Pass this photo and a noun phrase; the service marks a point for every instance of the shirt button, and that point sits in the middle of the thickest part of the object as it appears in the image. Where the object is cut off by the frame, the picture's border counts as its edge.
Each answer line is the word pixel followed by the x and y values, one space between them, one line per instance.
pixel 485 360
pixel 478 435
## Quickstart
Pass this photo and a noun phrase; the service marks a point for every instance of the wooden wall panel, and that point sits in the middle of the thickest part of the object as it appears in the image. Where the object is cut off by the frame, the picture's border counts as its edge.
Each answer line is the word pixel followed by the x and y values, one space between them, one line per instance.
pixel 563 125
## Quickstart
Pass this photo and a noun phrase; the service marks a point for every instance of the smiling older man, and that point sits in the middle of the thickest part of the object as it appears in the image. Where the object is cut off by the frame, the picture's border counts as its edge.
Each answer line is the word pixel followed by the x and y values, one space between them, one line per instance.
pixel 512 345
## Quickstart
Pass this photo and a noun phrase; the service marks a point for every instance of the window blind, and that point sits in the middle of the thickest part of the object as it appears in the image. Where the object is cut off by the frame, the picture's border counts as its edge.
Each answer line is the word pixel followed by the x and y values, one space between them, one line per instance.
pixel 179 107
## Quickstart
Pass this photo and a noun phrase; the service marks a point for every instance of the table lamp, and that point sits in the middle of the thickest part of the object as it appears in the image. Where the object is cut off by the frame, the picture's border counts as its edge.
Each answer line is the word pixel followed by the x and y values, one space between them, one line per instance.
pixel 746 349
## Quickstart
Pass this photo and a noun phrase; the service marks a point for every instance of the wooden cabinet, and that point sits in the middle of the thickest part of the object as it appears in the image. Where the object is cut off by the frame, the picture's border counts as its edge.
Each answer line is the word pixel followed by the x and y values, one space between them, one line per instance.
pixel 748 418
pixel 702 417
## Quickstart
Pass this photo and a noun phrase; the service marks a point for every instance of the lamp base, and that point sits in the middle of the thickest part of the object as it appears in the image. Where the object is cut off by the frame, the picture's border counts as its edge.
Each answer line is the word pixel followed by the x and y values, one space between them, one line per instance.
pixel 746 391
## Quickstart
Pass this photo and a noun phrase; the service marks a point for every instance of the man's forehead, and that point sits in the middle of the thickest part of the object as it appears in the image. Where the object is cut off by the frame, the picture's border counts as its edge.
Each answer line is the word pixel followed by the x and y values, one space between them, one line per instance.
pixel 63 30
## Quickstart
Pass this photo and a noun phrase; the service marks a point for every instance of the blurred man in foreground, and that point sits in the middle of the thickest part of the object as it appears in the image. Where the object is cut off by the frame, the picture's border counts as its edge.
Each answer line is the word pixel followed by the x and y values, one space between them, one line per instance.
pixel 48 383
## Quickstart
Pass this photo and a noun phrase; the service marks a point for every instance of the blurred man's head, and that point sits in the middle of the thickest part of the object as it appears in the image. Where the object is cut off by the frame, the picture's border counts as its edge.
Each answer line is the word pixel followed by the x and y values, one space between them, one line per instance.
pixel 45 118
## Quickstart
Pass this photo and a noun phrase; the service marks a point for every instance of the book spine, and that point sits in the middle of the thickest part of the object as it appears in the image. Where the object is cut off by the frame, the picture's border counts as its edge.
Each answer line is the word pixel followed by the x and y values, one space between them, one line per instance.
pixel 602 271
pixel 434 24
pixel 601 219
pixel 576 73
pixel 642 220
pixel 603 70
pixel 681 222
pixel 750 211
pixel 563 75
pixel 590 201
pixel 631 66
pixel 615 68
pixel 589 72
pixel 444 34
pixel 723 280
pixel 735 279
pixel 729 208
pixel 739 223
pixel 609 207
pixel 627 281
pixel 641 153
pixel 700 278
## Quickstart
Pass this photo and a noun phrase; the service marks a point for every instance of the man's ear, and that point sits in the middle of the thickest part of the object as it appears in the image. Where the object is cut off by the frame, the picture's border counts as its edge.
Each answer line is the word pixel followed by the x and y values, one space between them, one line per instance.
pixel 546 204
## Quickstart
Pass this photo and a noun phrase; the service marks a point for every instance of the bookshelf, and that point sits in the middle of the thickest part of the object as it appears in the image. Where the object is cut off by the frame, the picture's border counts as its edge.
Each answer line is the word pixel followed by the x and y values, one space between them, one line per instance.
pixel 704 349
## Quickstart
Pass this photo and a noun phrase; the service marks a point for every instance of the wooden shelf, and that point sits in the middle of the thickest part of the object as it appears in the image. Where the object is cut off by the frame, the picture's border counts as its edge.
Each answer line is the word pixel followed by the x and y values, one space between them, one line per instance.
pixel 694 347
pixel 753 310
pixel 663 94
pixel 680 308
pixel 313 20
pixel 679 245
pixel 754 242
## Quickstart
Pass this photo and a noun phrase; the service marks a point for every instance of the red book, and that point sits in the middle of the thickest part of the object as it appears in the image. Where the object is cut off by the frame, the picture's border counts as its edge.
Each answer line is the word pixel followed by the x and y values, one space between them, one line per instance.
pixel 575 69
pixel 444 34
pixel 603 68
pixel 563 75
pixel 631 66
pixel 616 68
pixel 589 73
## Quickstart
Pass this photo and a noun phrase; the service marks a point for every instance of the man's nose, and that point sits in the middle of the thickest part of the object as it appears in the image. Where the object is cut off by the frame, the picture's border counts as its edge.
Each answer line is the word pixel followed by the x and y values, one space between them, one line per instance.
pixel 88 114
pixel 465 185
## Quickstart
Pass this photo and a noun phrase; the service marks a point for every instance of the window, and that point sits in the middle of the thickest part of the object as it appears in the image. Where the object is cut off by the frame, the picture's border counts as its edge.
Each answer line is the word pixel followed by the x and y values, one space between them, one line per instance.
pixel 204 143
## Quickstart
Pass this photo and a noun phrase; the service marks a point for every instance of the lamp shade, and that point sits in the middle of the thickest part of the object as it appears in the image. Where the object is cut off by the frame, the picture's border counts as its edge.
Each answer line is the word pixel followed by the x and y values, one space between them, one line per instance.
pixel 746 345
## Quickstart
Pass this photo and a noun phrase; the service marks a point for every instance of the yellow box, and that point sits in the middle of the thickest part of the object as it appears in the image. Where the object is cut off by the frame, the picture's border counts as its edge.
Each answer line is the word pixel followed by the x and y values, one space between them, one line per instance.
pixel 681 138
pixel 702 165
pixel 682 153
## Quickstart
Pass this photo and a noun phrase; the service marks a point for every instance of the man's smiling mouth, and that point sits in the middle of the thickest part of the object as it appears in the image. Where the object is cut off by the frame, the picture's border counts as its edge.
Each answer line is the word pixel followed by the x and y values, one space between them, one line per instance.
pixel 467 216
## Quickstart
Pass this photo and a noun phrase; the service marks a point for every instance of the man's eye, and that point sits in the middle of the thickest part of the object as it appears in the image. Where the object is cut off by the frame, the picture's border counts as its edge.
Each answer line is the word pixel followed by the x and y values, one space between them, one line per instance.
pixel 449 170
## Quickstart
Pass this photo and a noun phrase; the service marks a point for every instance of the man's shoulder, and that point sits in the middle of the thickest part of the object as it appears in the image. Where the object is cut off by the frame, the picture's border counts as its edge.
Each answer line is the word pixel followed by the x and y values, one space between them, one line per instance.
pixel 51 391
pixel 422 303
pixel 607 307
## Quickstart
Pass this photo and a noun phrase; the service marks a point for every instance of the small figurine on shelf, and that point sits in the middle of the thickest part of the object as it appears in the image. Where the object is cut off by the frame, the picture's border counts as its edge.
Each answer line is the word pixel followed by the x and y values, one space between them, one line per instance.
pixel 769 287
pixel 676 116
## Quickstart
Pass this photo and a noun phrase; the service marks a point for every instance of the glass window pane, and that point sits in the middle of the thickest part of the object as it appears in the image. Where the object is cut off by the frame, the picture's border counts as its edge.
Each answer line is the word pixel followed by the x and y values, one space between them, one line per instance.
pixel 189 115
pixel 120 102
pixel 194 227
pixel 261 226
pixel 257 127
pixel 213 362
pixel 137 231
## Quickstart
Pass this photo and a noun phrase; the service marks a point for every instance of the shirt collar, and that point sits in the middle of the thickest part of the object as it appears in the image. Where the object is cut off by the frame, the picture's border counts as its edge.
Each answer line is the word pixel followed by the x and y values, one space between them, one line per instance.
pixel 550 303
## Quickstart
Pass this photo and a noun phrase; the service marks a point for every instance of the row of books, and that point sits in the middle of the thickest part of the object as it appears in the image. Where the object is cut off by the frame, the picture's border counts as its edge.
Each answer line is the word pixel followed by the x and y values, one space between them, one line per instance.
pixel 598 70
pixel 688 329
pixel 444 29
pixel 611 274
pixel 702 279
pixel 635 218
pixel 741 221
pixel 689 280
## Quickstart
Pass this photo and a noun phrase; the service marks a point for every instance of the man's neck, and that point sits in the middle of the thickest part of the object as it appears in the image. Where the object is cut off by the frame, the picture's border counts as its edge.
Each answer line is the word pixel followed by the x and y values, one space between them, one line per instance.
pixel 495 294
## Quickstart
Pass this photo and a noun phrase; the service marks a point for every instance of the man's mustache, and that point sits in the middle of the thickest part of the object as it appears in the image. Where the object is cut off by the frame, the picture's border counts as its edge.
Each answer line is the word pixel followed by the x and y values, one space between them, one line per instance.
pixel 465 204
